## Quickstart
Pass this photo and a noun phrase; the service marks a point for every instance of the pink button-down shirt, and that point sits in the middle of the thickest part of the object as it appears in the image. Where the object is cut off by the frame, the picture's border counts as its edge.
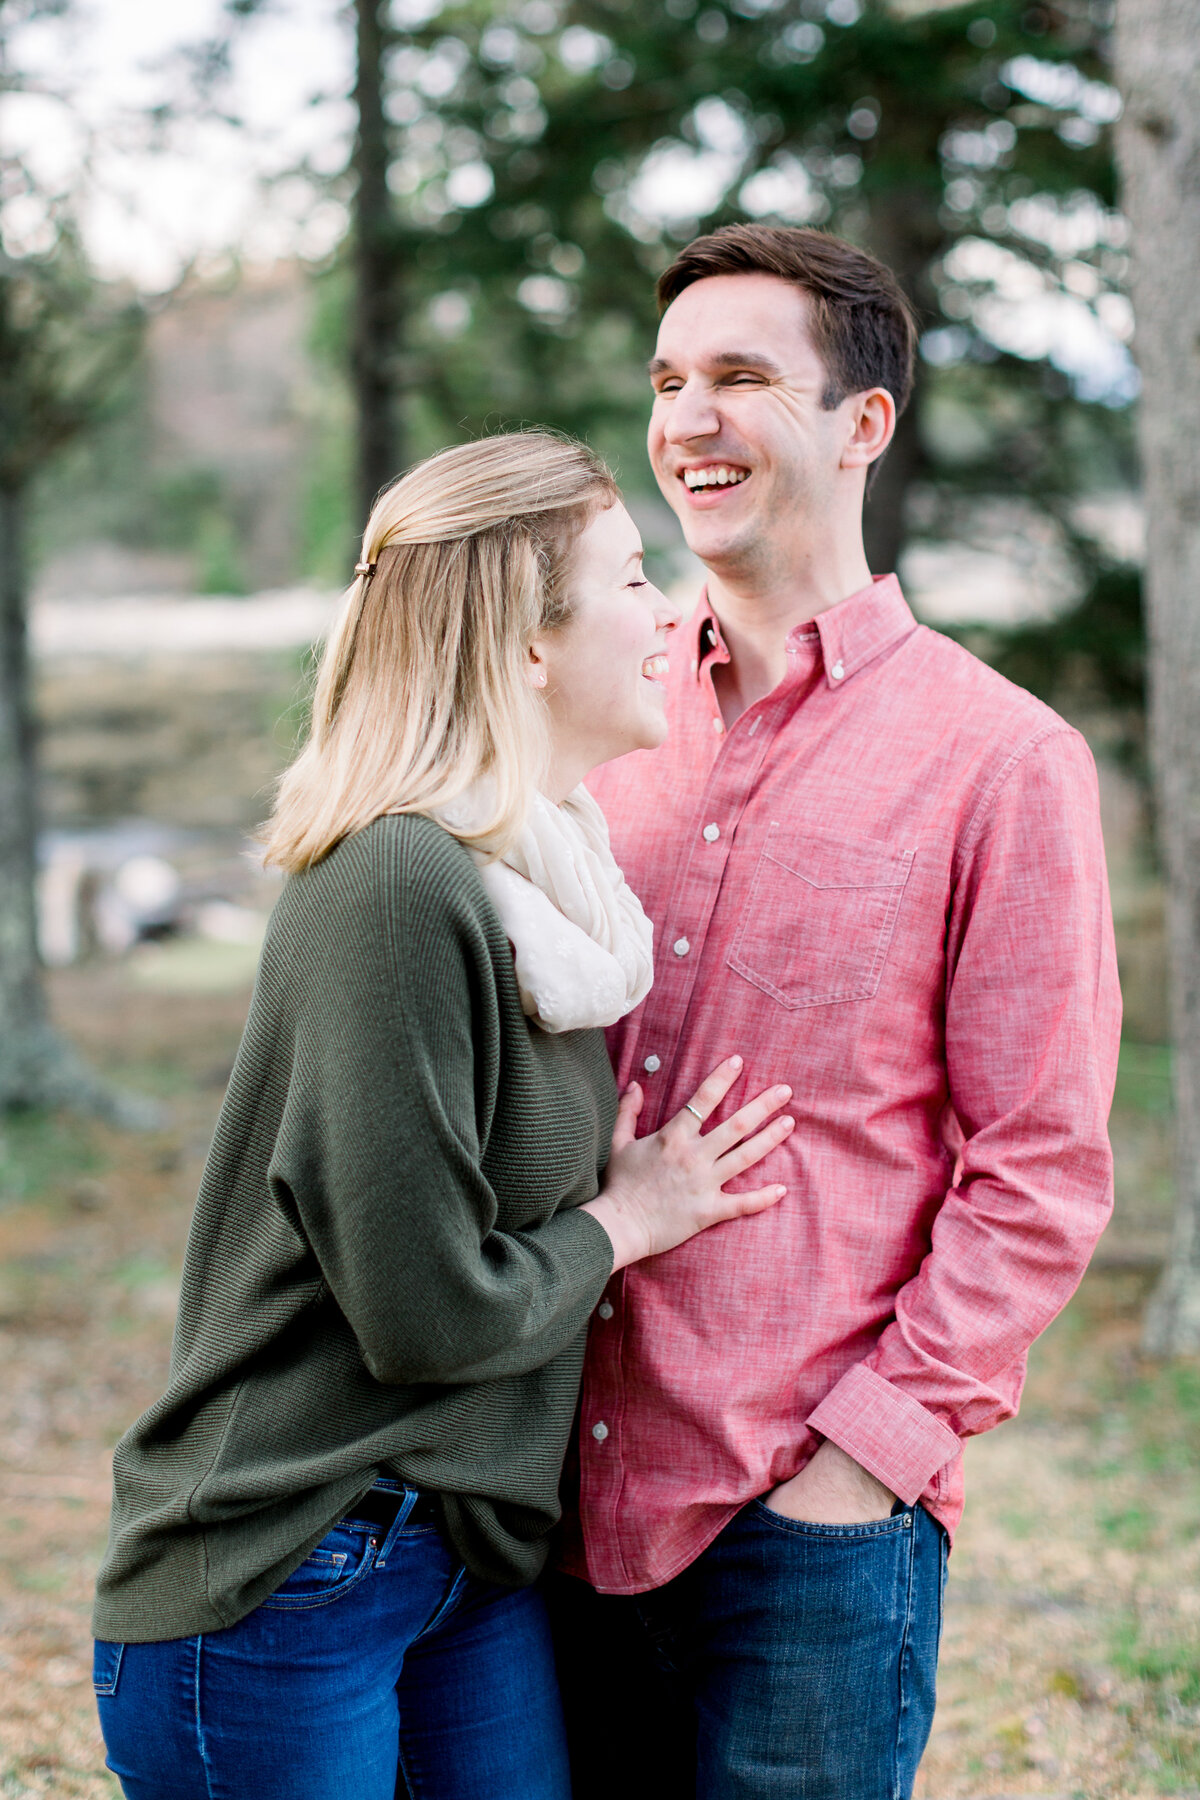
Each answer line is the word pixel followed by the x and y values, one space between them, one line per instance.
pixel 884 885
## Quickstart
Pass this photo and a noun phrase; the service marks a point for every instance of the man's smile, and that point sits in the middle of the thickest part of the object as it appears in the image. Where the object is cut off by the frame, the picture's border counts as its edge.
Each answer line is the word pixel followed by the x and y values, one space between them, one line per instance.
pixel 706 482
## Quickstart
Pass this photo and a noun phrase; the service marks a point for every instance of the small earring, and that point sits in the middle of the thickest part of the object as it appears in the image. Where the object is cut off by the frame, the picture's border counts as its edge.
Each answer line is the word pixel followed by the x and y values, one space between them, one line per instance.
pixel 539 678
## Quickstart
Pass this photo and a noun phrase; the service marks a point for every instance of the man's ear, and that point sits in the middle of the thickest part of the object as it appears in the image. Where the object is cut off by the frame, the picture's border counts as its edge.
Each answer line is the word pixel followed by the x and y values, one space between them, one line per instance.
pixel 872 423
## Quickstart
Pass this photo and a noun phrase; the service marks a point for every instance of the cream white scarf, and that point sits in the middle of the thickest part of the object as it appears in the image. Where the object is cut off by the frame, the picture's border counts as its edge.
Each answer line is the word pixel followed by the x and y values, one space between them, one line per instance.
pixel 581 943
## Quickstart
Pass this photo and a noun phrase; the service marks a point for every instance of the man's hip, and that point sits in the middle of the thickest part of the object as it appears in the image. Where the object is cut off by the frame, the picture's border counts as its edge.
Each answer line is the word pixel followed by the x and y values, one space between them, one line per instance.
pixel 790 1661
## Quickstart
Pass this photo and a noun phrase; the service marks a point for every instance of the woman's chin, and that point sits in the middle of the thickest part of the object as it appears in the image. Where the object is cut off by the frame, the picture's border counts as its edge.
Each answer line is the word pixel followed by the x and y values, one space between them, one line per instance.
pixel 645 733
pixel 654 732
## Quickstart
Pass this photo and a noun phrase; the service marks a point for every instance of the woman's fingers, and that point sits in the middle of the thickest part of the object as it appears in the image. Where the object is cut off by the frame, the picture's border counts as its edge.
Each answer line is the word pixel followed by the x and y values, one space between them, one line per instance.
pixel 712 1090
pixel 628 1109
pixel 741 1205
pixel 743 1156
pixel 747 1119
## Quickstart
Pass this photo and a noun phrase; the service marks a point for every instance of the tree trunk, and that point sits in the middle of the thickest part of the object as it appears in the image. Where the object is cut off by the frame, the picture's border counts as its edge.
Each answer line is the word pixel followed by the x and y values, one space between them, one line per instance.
pixel 22 1011
pixel 885 517
pixel 906 234
pixel 377 309
pixel 1158 61
pixel 37 1068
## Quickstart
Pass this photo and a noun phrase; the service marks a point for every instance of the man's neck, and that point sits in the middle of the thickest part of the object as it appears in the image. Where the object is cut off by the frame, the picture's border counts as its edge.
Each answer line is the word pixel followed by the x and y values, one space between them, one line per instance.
pixel 757 617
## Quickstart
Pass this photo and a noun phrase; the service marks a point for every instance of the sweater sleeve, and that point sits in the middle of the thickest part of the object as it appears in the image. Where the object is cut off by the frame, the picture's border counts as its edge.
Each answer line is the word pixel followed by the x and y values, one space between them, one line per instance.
pixel 397 1063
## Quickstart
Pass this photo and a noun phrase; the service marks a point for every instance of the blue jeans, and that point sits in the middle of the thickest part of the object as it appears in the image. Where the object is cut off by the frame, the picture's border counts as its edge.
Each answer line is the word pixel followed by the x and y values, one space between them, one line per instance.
pixel 380 1669
pixel 789 1662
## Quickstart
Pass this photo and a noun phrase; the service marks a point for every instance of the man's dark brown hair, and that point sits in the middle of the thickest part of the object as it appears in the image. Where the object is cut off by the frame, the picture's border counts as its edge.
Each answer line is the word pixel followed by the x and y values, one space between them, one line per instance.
pixel 863 327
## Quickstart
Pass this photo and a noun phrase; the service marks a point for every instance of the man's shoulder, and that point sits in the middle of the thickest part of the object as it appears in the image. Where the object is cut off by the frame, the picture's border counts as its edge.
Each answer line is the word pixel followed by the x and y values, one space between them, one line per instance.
pixel 962 693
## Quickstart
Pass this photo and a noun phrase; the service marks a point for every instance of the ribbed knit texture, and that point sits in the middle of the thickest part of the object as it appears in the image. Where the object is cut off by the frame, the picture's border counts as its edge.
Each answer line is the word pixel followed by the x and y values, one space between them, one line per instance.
pixel 386 1267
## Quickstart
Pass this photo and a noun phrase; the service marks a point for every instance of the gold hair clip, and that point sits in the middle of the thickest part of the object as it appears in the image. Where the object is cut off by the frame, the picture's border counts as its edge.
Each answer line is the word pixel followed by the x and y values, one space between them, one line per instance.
pixel 364 568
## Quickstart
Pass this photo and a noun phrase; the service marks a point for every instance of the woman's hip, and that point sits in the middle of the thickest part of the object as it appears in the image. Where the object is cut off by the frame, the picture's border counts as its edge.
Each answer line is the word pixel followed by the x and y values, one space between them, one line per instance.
pixel 379 1666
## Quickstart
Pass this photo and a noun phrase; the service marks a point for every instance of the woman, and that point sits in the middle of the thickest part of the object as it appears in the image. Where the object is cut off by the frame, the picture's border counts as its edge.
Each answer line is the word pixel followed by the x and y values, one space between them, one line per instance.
pixel 323 1536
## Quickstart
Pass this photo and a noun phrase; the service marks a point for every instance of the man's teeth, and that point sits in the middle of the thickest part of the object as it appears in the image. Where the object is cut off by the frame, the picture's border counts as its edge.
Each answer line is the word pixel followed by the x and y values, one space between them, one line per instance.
pixel 718 477
pixel 655 668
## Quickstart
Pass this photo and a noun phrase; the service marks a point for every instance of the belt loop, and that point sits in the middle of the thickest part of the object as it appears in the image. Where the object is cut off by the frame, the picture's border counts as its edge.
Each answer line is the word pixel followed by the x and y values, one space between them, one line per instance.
pixel 409 1500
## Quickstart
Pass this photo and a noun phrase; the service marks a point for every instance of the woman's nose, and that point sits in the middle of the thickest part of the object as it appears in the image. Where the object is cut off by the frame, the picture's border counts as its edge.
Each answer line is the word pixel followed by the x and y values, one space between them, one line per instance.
pixel 666 613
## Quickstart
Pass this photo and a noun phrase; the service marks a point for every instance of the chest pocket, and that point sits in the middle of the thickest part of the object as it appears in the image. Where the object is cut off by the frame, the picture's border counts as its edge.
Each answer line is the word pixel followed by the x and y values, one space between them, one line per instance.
pixel 820 917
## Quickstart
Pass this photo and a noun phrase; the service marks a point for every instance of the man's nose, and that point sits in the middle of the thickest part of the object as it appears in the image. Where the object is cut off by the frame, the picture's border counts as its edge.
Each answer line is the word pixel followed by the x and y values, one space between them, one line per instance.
pixel 691 414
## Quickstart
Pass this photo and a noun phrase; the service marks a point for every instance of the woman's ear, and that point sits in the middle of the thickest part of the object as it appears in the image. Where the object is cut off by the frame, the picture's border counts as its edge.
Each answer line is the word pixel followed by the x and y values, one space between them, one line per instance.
pixel 537 668
pixel 873 419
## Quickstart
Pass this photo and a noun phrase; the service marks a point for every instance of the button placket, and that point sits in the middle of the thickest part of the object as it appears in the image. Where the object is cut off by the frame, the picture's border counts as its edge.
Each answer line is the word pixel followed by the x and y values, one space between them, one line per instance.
pixel 603 1401
pixel 725 796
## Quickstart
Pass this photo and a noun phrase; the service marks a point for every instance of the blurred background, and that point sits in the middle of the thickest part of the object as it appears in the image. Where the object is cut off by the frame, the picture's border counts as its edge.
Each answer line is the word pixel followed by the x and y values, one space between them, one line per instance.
pixel 257 257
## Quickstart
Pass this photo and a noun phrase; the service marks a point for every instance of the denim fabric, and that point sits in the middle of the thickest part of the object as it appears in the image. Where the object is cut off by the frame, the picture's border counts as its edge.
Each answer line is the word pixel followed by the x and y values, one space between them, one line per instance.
pixel 380 1669
pixel 790 1661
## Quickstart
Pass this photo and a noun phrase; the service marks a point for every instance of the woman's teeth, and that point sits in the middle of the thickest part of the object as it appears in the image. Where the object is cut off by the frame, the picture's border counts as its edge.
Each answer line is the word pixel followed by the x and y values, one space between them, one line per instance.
pixel 718 477
pixel 655 668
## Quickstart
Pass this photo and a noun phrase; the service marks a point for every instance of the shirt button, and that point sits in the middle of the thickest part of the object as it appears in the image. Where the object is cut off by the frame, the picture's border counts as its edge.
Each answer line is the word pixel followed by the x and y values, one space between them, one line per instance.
pixel 600 1431
pixel 652 1065
pixel 605 1310
pixel 837 671
pixel 711 833
pixel 681 946
pixel 718 724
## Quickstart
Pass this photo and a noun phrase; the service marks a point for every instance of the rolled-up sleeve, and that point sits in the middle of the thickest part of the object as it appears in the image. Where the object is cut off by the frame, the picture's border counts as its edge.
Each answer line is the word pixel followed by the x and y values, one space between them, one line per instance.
pixel 1032 1033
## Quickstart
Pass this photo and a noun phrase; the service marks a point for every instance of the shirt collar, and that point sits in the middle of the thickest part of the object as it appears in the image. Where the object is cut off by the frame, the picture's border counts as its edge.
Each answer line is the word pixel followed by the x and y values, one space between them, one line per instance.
pixel 852 633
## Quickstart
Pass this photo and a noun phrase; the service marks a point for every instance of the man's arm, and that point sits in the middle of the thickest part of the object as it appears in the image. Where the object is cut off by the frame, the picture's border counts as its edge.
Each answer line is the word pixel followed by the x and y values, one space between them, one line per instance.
pixel 1032 1032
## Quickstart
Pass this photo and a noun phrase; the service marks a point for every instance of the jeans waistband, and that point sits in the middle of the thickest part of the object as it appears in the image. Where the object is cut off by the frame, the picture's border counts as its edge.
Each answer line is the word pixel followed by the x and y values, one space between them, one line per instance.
pixel 381 1503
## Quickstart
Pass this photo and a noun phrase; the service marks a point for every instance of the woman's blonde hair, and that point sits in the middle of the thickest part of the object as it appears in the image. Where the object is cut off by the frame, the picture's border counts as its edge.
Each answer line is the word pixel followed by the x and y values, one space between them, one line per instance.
pixel 424 683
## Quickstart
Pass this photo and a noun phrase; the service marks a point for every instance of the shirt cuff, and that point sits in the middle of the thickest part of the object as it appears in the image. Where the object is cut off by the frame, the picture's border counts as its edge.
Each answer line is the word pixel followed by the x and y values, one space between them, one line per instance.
pixel 892 1435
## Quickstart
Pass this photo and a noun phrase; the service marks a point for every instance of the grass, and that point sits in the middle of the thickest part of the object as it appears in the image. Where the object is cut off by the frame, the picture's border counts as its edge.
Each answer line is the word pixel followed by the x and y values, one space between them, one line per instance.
pixel 1071 1656
pixel 1144 1079
pixel 43 1152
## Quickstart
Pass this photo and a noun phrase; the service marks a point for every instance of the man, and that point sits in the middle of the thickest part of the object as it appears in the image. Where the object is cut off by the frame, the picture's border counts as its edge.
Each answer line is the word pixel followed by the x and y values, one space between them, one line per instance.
pixel 875 869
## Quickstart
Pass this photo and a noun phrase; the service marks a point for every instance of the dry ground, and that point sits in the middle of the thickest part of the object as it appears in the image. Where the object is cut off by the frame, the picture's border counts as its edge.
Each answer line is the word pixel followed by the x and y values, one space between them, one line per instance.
pixel 1071 1663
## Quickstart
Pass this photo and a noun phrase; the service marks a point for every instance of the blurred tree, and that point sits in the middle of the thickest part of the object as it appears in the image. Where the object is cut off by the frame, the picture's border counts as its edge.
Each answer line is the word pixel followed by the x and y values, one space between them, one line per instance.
pixel 1159 61
pixel 545 158
pixel 378 255
pixel 63 344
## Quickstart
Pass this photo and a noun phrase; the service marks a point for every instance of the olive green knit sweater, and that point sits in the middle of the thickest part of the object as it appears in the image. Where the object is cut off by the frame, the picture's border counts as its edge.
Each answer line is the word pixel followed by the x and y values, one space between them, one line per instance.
pixel 387 1267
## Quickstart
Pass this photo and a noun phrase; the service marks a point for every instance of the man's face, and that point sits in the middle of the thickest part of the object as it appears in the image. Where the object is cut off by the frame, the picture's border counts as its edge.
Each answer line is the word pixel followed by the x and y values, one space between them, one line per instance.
pixel 740 443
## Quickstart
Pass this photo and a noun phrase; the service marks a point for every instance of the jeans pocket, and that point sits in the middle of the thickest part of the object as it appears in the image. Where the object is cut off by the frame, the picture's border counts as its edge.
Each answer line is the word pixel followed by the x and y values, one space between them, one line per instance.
pixel 820 917
pixel 106 1666
pixel 338 1563
pixel 869 1528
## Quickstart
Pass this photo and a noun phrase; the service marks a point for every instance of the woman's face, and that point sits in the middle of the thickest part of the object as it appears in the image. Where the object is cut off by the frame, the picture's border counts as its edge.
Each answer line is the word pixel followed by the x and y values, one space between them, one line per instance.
pixel 605 669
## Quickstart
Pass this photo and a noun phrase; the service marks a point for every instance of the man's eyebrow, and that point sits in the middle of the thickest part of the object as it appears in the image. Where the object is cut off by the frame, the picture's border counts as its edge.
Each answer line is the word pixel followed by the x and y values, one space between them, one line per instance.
pixel 725 359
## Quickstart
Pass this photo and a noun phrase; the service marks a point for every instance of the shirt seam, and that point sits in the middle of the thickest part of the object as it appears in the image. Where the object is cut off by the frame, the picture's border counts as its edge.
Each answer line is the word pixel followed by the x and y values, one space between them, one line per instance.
pixel 199 1483
pixel 321 1290
pixel 990 795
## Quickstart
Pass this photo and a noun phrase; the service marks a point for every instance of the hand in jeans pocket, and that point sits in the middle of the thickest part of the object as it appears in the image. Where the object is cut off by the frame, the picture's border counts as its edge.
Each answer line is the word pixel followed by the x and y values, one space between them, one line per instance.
pixel 832 1489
